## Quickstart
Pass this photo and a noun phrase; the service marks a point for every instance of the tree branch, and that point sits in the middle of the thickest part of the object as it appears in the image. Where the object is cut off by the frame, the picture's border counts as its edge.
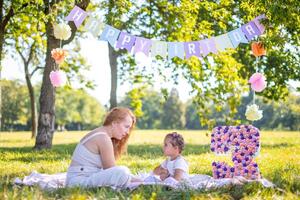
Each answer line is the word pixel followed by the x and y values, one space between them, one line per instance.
pixel 7 17
pixel 1 8
pixel 35 69
pixel 20 53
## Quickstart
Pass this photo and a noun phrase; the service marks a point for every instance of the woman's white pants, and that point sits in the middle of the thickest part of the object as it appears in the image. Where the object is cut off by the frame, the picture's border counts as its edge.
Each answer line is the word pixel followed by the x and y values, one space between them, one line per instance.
pixel 83 176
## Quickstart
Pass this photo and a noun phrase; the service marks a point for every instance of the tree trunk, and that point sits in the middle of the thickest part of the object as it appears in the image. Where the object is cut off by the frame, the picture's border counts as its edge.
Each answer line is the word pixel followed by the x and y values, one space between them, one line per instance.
pixel 114 76
pixel 32 104
pixel 1 48
pixel 47 97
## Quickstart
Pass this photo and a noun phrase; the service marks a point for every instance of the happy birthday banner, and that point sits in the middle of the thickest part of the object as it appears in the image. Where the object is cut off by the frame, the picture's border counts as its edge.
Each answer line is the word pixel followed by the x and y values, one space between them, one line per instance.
pixel 184 50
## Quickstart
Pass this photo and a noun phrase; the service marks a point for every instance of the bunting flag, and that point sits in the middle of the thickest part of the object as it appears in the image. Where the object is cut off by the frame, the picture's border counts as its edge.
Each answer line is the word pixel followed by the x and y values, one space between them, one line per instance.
pixel 77 15
pixel 175 49
pixel 125 41
pixel 223 42
pixel 159 48
pixel 110 34
pixel 207 46
pixel 94 26
pixel 237 36
pixel 142 45
pixel 192 49
pixel 260 26
pixel 250 30
pixel 184 50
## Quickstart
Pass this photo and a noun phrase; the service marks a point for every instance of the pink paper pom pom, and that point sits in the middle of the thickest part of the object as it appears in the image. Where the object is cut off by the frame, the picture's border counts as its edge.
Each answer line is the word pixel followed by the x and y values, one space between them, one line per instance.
pixel 58 78
pixel 258 82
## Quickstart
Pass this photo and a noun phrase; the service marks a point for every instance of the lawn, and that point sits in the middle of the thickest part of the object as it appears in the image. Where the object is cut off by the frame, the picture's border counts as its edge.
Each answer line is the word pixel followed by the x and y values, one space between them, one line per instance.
pixel 279 162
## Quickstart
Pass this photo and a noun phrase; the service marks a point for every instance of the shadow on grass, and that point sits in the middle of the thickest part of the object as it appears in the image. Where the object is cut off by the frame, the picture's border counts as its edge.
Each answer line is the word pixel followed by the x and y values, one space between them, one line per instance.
pixel 279 145
pixel 150 150
pixel 60 151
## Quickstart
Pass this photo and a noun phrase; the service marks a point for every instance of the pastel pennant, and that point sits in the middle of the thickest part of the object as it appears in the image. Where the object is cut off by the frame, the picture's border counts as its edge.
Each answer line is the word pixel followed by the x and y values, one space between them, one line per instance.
pixel 175 49
pixel 142 45
pixel 192 49
pixel 159 48
pixel 207 46
pixel 125 41
pixel 237 36
pixel 223 42
pixel 110 34
pixel 250 30
pixel 77 15
pixel 260 26
pixel 94 26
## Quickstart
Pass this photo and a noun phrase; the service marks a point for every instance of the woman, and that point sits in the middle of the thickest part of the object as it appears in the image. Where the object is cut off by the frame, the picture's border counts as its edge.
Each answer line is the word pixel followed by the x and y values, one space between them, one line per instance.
pixel 93 161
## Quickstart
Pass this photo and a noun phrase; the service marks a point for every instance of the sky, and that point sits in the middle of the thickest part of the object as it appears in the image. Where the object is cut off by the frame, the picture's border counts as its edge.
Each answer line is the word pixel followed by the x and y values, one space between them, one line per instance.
pixel 96 54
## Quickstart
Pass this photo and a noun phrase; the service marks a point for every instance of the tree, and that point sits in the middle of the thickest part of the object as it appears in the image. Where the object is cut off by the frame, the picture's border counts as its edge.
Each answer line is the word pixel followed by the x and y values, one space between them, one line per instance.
pixel 29 45
pixel 173 112
pixel 77 107
pixel 8 9
pixel 192 120
pixel 47 97
pixel 15 104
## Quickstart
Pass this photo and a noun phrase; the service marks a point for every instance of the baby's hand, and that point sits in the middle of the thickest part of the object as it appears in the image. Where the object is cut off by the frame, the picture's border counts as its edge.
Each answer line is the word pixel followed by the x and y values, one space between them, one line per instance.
pixel 164 174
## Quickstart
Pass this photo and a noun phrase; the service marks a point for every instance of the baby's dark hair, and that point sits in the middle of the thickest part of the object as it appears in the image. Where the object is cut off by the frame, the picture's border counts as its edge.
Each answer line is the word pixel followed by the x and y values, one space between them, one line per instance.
pixel 176 140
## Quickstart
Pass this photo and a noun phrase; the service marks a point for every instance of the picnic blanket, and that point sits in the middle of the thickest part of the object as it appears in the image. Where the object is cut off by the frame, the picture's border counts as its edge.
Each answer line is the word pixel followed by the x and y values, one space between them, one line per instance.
pixel 195 181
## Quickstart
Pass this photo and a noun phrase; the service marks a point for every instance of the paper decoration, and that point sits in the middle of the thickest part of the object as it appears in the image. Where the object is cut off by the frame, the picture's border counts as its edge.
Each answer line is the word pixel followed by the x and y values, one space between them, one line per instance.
pixel 242 142
pixel 201 48
pixel 62 31
pixel 207 46
pixel 237 36
pixel 250 30
pixel 58 78
pixel 142 45
pixel 175 49
pixel 253 113
pixel 77 15
pixel 94 26
pixel 260 26
pixel 192 49
pixel 110 34
pixel 159 48
pixel 258 49
pixel 59 55
pixel 258 82
pixel 223 42
pixel 125 41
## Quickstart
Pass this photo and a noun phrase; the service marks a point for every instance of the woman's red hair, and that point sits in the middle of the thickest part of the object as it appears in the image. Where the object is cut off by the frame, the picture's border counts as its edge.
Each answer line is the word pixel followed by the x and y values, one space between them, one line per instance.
pixel 118 114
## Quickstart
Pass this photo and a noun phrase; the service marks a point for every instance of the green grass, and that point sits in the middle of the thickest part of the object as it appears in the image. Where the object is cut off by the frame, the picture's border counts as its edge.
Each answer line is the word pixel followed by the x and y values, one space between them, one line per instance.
pixel 279 162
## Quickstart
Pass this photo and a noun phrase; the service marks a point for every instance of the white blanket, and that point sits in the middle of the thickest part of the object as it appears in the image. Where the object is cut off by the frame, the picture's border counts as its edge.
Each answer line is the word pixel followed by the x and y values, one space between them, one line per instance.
pixel 195 181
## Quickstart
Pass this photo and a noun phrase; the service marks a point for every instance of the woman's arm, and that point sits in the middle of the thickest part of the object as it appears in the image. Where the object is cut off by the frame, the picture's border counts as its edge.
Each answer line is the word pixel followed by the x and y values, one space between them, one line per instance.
pixel 106 152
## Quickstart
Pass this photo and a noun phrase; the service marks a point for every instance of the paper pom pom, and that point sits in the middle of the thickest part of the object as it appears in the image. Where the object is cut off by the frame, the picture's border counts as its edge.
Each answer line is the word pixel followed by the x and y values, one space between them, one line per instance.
pixel 258 82
pixel 62 31
pixel 253 113
pixel 59 55
pixel 258 49
pixel 58 78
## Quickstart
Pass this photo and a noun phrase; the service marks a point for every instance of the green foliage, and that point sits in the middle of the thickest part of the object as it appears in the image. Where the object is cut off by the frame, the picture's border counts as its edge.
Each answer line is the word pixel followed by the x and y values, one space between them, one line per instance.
pixel 15 104
pixel 220 79
pixel 173 112
pixel 79 108
pixel 278 162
